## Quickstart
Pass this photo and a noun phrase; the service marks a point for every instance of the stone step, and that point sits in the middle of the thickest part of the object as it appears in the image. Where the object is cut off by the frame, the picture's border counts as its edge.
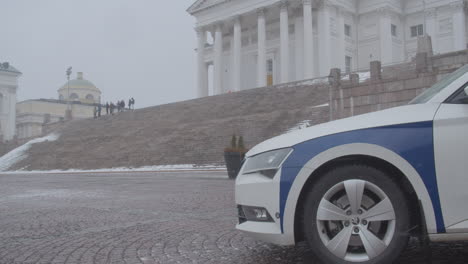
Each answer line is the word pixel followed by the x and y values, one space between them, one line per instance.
pixel 188 132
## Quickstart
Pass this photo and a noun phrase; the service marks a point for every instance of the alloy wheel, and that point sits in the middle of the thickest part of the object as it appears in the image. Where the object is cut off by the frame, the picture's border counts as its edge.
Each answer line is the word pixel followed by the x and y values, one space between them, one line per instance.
pixel 356 220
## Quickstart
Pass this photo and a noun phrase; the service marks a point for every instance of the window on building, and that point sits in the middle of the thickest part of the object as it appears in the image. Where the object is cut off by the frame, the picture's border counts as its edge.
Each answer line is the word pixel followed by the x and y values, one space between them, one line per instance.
pixel 348 61
pixel 347 30
pixel 417 30
pixel 89 97
pixel 394 30
pixel 74 96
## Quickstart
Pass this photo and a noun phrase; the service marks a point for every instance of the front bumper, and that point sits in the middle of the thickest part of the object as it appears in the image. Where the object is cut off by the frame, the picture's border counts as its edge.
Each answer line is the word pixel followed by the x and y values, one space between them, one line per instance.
pixel 257 190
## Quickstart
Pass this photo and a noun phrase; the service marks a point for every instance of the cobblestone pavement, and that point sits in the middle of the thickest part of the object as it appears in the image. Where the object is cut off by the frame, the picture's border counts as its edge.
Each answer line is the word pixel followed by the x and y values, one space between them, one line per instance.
pixel 142 218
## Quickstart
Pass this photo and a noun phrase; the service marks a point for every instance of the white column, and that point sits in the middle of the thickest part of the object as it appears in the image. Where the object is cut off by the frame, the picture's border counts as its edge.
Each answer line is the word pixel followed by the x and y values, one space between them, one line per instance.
pixel 430 15
pixel 386 42
pixel 308 40
pixel 459 26
pixel 402 33
pixel 202 74
pixel 237 46
pixel 218 61
pixel 12 113
pixel 284 35
pixel 324 36
pixel 299 45
pixel 261 58
pixel 340 24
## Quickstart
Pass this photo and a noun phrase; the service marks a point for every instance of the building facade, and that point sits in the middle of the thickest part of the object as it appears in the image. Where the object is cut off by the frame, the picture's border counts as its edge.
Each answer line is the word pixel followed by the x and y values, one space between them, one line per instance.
pixel 244 44
pixel 8 87
pixel 80 96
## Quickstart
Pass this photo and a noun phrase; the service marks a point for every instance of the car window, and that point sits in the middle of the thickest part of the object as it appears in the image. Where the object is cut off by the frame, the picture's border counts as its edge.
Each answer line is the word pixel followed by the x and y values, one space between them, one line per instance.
pixel 460 97
pixel 439 86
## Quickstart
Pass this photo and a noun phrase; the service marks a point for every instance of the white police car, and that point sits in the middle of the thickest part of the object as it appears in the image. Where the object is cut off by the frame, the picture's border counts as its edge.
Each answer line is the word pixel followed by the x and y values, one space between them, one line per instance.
pixel 357 188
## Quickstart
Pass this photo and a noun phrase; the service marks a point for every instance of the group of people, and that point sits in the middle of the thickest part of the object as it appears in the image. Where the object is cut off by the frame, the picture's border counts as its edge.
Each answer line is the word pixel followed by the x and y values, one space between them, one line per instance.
pixel 111 107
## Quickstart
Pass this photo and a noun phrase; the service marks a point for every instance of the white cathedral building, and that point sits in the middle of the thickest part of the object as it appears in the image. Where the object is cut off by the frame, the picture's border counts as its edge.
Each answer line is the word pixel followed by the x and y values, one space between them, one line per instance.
pixel 8 87
pixel 244 44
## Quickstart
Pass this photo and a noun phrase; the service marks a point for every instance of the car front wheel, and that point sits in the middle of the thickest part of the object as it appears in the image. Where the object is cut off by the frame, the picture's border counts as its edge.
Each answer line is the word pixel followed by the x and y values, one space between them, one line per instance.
pixel 356 214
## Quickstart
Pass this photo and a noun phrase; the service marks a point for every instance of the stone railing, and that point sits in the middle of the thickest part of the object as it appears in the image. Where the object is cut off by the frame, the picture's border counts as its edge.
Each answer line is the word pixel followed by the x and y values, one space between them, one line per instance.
pixel 389 86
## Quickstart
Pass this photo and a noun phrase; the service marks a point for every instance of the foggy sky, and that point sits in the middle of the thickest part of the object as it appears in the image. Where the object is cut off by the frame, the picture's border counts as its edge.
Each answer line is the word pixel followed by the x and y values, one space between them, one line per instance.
pixel 139 48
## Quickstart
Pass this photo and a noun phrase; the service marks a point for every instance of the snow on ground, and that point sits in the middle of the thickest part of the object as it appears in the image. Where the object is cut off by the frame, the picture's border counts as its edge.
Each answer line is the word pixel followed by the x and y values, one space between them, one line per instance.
pixel 364 76
pixel 305 123
pixel 321 80
pixel 322 105
pixel 300 125
pixel 159 168
pixel 54 193
pixel 19 153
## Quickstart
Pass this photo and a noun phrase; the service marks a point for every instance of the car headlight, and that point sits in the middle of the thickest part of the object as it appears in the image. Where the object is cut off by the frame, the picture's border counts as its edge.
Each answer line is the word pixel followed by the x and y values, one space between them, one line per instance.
pixel 266 163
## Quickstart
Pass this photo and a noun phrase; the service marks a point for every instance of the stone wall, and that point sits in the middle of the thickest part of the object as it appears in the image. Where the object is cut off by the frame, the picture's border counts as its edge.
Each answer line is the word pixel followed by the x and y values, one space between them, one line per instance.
pixel 390 86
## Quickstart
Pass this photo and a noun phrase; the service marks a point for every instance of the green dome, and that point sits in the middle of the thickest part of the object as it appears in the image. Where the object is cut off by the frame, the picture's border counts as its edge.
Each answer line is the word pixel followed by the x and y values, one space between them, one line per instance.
pixel 81 90
pixel 80 83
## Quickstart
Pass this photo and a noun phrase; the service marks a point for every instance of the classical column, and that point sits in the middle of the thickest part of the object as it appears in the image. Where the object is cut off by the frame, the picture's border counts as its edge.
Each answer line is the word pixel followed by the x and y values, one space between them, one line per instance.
pixel 299 44
pixel 459 26
pixel 324 35
pixel 202 74
pixel 430 30
pixel 237 46
pixel 261 58
pixel 284 35
pixel 308 40
pixel 386 42
pixel 341 54
pixel 218 60
pixel 12 112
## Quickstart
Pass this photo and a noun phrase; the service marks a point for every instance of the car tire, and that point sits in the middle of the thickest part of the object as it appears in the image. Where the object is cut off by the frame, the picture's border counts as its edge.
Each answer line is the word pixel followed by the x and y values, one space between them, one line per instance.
pixel 348 218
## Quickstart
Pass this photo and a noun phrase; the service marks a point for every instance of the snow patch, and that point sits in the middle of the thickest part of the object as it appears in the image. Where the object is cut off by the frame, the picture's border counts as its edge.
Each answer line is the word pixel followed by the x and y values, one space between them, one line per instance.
pixel 158 168
pixel 322 80
pixel 18 154
pixel 364 76
pixel 322 105
pixel 305 123
pixel 55 193
pixel 300 125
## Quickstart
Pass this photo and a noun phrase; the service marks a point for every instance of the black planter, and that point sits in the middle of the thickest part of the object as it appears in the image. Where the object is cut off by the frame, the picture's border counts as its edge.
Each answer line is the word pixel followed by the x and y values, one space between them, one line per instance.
pixel 233 161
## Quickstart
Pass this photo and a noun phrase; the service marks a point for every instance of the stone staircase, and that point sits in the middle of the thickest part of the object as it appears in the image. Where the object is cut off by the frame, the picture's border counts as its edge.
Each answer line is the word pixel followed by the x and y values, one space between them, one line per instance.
pixel 189 132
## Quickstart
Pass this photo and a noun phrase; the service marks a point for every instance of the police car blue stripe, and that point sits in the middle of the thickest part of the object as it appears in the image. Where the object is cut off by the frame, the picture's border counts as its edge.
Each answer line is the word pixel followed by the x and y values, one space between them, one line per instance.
pixel 413 142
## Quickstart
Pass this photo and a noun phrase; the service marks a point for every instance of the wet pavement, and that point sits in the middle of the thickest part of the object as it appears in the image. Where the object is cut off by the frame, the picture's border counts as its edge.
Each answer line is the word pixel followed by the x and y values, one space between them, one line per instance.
pixel 183 217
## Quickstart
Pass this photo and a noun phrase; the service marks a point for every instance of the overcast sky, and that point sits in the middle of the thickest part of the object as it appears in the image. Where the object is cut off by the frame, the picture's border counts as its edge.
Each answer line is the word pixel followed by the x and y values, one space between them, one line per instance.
pixel 139 48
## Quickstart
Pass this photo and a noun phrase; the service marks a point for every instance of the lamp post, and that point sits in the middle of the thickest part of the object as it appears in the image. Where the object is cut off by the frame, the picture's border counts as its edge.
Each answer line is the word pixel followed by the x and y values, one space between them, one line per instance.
pixel 68 114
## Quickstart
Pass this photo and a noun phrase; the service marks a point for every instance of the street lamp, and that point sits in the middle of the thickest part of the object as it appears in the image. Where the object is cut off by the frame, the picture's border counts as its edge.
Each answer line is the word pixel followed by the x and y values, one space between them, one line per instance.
pixel 68 112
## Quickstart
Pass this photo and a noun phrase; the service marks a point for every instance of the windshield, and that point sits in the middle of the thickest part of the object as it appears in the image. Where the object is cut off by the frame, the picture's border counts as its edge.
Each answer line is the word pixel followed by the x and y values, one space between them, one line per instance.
pixel 439 86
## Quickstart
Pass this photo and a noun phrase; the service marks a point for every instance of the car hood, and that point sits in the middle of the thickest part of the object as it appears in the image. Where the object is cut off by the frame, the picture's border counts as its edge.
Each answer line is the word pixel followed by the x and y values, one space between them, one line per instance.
pixel 393 116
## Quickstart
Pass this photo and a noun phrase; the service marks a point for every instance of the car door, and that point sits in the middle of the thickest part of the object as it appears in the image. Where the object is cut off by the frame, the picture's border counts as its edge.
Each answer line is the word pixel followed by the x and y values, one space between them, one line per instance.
pixel 451 160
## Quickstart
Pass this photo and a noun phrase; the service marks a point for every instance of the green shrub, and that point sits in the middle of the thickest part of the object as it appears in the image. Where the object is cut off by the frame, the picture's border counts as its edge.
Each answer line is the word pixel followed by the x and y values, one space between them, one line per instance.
pixel 233 142
pixel 240 143
pixel 237 145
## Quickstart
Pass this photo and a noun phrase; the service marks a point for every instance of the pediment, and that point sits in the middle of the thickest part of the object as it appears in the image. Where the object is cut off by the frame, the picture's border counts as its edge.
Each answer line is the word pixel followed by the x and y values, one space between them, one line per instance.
pixel 203 4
